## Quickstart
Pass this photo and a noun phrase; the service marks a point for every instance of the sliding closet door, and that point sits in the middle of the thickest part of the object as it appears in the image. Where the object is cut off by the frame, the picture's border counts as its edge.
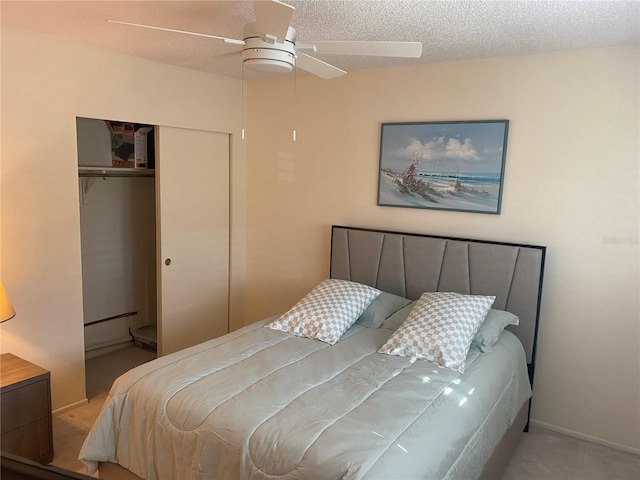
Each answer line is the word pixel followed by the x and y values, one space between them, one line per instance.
pixel 192 175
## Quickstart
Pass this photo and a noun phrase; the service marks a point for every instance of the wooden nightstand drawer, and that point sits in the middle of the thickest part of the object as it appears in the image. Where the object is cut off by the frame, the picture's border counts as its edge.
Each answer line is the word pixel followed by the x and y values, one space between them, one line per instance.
pixel 25 409
pixel 30 441
pixel 25 405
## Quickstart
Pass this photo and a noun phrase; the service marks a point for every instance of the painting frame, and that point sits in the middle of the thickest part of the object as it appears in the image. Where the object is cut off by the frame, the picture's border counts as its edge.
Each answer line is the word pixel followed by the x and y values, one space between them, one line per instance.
pixel 455 165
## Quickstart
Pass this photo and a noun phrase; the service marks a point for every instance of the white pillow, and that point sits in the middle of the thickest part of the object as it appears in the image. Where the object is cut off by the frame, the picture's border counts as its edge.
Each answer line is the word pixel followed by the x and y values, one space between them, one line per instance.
pixel 440 328
pixel 327 311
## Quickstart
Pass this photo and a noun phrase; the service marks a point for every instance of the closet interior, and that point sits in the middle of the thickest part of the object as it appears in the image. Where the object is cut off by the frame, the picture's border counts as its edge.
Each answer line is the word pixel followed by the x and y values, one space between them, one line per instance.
pixel 116 178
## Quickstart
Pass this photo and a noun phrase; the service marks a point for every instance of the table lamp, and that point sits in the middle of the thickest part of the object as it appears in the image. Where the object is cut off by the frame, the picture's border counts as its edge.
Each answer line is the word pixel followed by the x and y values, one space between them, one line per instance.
pixel 6 309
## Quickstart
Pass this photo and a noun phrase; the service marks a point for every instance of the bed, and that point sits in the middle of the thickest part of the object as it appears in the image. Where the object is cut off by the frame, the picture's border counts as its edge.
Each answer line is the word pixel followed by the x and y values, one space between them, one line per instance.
pixel 265 403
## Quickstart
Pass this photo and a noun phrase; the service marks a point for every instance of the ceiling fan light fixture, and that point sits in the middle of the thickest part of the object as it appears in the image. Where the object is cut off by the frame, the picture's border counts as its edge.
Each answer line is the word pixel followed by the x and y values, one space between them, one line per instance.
pixel 268 55
pixel 272 59
pixel 268 65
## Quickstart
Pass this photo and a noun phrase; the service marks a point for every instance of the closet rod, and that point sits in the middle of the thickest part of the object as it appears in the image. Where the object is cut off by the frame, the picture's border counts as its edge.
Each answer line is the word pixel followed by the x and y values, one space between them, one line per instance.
pixel 115 172
pixel 128 314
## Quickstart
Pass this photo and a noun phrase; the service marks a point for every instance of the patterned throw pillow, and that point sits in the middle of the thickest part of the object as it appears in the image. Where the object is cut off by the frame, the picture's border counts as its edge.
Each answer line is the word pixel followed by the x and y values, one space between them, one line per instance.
pixel 327 311
pixel 440 328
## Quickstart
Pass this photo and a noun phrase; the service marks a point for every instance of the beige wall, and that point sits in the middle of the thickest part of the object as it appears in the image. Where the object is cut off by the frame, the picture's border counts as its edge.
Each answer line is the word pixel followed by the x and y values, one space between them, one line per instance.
pixel 46 84
pixel 571 184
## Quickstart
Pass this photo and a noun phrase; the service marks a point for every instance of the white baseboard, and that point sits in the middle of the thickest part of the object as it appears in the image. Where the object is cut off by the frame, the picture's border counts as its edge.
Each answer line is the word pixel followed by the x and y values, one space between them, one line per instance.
pixel 66 408
pixel 92 351
pixel 582 436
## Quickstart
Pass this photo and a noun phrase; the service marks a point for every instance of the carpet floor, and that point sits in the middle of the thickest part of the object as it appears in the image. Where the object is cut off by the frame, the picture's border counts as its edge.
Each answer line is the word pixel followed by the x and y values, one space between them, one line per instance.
pixel 540 454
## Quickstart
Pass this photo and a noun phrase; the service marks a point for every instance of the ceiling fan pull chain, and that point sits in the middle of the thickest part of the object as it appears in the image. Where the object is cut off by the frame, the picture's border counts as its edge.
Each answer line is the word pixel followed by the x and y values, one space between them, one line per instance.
pixel 242 100
pixel 295 76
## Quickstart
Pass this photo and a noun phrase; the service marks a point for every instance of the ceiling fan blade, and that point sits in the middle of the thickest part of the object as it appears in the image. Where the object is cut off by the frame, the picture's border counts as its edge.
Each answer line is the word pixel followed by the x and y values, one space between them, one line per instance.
pixel 237 53
pixel 317 67
pixel 378 49
pixel 273 18
pixel 151 27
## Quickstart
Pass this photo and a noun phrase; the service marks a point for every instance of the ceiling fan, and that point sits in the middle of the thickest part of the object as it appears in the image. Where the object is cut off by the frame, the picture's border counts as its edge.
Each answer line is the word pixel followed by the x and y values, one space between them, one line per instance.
pixel 269 44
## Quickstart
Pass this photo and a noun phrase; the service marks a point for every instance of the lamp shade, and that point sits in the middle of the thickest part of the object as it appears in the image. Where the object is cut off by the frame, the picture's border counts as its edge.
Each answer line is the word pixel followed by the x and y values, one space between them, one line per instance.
pixel 6 309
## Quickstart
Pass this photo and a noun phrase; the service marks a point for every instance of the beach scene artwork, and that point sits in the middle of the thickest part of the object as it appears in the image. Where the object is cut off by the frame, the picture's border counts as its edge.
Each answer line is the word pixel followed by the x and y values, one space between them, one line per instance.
pixel 444 166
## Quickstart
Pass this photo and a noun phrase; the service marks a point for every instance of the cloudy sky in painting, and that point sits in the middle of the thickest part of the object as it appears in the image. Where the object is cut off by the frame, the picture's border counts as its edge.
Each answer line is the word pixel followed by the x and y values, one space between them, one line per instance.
pixel 444 147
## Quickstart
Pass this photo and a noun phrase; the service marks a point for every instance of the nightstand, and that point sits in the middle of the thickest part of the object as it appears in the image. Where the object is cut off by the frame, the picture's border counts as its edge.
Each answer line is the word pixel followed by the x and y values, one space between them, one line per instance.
pixel 25 405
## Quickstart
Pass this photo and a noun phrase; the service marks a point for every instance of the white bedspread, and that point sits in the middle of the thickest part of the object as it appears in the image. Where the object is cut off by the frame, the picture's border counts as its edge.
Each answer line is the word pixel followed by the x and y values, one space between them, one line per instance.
pixel 260 403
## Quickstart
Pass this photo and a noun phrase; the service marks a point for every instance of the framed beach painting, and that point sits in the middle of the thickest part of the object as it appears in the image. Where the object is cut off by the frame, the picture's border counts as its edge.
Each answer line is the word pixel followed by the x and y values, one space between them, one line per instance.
pixel 456 166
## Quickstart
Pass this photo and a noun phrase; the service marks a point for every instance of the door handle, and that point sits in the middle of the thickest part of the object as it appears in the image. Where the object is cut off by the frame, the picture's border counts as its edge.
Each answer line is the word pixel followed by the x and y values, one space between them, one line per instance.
pixel 167 262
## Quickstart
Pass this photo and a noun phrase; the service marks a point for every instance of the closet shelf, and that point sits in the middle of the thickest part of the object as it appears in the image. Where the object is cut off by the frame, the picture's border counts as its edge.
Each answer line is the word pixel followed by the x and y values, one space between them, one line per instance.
pixel 84 171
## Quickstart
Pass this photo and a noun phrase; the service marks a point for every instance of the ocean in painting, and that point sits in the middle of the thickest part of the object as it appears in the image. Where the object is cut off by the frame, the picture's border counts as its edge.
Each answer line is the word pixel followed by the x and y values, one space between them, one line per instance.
pixel 466 178
pixel 467 191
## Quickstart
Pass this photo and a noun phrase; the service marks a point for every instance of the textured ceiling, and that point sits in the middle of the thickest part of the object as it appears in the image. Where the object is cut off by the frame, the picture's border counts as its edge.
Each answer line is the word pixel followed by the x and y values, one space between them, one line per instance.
pixel 449 30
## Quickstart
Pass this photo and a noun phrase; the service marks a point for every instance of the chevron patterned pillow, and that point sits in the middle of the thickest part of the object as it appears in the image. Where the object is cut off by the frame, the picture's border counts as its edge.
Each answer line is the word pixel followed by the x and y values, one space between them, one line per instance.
pixel 440 328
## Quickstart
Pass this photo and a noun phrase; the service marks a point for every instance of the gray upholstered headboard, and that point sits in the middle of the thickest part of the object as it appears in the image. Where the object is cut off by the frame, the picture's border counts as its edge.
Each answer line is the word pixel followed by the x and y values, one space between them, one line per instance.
pixel 409 264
